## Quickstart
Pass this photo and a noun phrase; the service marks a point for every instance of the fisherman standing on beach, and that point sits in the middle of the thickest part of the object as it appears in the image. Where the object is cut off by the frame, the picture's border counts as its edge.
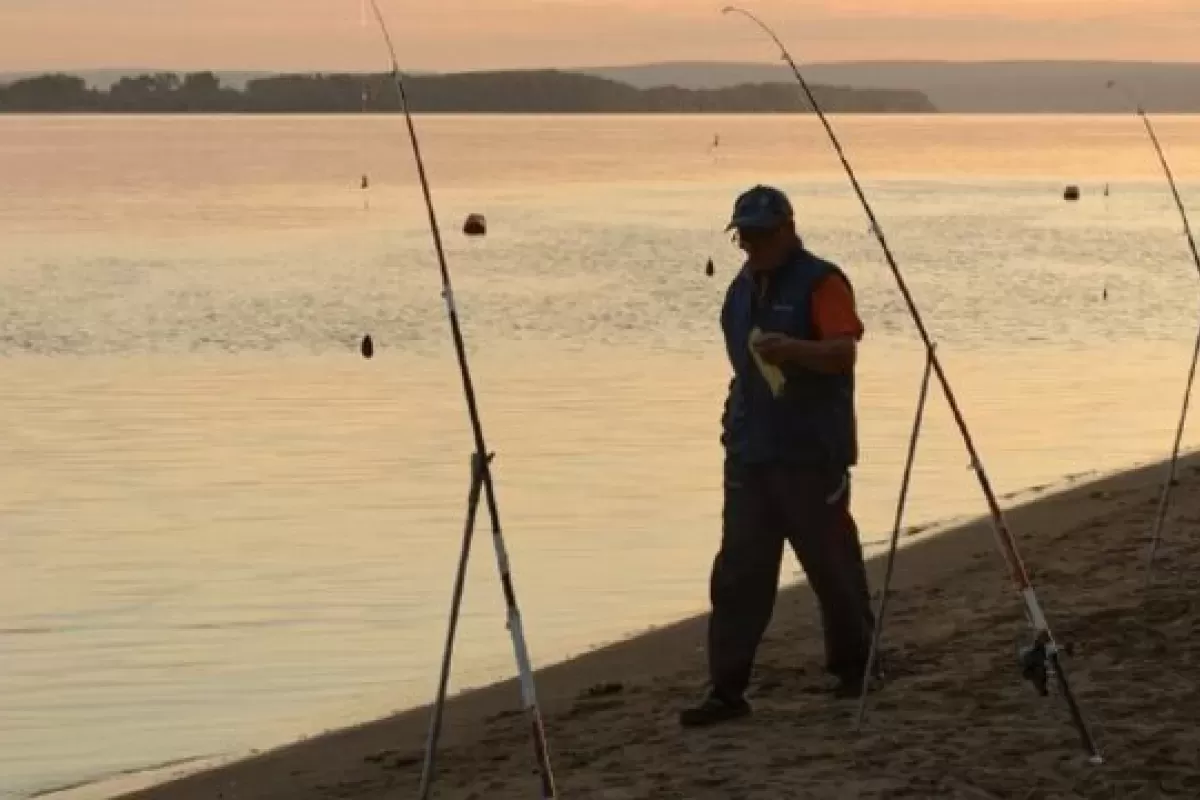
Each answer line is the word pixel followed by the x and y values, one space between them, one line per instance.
pixel 791 331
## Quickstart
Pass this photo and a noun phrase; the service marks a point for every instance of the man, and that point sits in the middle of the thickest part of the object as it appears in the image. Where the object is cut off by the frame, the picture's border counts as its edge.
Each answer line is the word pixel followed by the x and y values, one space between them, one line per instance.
pixel 789 431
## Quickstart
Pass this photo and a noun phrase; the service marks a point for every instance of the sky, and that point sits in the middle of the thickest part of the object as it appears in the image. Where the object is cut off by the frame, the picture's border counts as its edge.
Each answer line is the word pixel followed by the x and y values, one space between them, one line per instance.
pixel 483 34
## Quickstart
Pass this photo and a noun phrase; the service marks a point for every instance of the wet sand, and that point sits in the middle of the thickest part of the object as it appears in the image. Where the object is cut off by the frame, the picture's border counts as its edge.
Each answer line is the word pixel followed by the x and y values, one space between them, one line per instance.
pixel 954 720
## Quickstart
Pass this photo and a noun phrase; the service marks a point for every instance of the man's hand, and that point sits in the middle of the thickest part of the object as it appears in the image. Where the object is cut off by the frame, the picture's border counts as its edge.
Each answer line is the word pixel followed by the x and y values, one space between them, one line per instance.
pixel 775 348
pixel 831 356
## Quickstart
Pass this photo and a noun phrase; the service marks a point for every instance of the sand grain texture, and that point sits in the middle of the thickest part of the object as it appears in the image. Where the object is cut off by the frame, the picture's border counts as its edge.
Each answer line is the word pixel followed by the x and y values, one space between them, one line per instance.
pixel 955 719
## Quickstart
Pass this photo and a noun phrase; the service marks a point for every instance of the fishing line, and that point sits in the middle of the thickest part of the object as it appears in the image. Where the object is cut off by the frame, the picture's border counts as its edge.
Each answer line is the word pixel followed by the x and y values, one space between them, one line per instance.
pixel 1164 499
pixel 1043 657
pixel 481 476
pixel 710 268
pixel 367 346
pixel 365 182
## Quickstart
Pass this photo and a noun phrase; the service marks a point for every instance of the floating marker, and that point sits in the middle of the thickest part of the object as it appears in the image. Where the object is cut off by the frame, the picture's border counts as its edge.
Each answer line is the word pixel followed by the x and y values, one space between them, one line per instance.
pixel 368 346
pixel 709 269
pixel 475 225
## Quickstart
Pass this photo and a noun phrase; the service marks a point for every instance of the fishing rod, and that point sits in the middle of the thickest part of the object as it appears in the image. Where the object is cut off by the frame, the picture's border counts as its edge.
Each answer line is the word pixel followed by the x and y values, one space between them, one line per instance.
pixel 481 474
pixel 1164 499
pixel 1044 655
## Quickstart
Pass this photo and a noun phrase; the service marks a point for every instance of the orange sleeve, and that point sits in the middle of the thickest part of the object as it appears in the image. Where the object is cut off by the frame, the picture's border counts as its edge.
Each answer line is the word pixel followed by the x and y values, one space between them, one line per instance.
pixel 833 309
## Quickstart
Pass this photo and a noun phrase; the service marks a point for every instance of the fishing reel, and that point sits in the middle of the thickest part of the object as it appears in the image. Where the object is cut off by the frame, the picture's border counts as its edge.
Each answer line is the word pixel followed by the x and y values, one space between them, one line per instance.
pixel 1038 662
pixel 1035 665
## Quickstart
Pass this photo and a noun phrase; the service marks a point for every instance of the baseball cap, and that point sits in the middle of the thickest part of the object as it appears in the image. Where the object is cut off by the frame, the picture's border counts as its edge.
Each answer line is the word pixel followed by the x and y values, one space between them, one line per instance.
pixel 760 207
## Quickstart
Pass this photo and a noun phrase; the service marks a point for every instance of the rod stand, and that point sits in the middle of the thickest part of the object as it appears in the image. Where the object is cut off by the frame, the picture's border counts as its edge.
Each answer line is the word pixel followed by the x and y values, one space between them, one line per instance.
pixel 479 466
pixel 872 668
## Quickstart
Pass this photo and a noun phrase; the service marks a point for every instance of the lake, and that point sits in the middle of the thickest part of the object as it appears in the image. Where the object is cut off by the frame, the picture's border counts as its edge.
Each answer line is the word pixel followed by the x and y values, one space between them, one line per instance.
pixel 221 528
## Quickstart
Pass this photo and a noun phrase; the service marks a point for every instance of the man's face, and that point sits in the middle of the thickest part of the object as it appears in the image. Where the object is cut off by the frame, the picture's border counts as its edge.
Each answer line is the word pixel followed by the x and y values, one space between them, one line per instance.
pixel 765 248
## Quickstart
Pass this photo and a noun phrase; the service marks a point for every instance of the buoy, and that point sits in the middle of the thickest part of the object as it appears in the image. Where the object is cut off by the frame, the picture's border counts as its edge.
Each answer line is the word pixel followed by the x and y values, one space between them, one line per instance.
pixel 366 182
pixel 475 225
pixel 368 346
pixel 709 269
pixel 1071 193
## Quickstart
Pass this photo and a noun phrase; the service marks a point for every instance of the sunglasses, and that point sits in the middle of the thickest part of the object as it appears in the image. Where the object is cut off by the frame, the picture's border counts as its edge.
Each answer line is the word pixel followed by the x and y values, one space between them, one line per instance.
pixel 752 236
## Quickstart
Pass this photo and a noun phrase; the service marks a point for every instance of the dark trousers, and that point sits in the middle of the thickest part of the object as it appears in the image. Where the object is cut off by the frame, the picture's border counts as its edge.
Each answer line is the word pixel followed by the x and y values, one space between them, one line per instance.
pixel 809 508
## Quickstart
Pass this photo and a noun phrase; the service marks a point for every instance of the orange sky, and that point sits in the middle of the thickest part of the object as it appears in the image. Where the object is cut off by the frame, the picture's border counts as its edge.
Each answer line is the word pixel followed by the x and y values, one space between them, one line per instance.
pixel 478 34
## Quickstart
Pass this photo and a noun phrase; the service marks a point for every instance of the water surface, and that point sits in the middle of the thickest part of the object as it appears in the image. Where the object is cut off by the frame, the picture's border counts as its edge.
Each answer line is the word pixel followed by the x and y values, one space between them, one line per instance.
pixel 220 528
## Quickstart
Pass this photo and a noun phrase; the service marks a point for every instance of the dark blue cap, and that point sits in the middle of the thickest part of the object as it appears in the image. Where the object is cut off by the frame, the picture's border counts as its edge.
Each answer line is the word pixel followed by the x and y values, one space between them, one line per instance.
pixel 760 207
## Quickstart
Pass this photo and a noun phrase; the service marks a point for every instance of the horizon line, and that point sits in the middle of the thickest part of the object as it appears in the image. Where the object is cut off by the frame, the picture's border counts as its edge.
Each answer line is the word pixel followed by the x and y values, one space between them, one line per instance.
pixel 585 67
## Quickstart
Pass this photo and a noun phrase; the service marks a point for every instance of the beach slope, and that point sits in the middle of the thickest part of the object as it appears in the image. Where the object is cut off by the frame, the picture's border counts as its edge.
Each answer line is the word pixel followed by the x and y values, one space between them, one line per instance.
pixel 955 719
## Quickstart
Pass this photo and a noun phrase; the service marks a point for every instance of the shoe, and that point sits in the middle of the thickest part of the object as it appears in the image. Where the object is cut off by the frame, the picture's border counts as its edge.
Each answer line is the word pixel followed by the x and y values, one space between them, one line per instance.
pixel 850 684
pixel 712 711
pixel 848 688
pixel 856 665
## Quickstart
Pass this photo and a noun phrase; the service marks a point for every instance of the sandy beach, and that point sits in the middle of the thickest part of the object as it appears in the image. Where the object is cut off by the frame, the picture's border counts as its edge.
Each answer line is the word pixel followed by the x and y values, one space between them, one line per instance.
pixel 955 719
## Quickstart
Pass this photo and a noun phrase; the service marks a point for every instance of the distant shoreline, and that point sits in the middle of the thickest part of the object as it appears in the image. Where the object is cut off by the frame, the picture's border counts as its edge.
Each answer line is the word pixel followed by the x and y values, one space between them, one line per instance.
pixel 1037 86
pixel 511 92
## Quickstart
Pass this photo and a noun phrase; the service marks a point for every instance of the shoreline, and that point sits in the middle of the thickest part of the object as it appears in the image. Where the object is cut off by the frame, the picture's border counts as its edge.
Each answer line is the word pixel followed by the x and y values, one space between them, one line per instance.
pixel 930 554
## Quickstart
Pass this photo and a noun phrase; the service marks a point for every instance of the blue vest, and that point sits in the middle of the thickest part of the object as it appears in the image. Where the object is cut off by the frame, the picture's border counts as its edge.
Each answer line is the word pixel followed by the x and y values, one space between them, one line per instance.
pixel 812 423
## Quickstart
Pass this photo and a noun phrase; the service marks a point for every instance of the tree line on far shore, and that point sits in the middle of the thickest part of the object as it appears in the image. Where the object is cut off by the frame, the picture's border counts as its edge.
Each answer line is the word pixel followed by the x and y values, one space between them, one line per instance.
pixel 509 92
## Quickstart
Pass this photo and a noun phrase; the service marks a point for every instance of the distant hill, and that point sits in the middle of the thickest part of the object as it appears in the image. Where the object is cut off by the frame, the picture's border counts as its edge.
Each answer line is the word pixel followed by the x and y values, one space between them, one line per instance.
pixel 517 91
pixel 959 87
